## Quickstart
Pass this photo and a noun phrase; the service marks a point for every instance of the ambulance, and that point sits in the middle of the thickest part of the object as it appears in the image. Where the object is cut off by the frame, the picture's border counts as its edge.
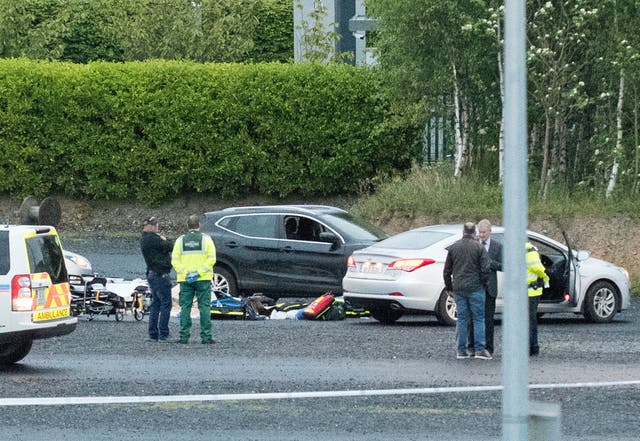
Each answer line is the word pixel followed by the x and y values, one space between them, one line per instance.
pixel 34 289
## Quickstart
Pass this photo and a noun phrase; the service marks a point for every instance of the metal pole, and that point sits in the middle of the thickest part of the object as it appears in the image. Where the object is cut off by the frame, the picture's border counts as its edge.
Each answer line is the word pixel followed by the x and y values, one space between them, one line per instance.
pixel 515 365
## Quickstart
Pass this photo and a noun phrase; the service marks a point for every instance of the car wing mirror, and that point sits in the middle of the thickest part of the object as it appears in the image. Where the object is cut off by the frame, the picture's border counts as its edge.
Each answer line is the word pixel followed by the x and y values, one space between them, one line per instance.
pixel 582 255
pixel 327 236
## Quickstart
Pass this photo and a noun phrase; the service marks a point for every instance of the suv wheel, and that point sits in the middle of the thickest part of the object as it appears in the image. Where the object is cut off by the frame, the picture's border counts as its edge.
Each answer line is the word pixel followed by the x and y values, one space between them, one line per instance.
pixel 224 281
pixel 14 352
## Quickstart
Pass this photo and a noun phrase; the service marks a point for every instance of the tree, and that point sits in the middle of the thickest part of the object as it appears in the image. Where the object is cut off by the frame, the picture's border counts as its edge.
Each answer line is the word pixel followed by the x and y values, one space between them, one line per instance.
pixel 441 57
pixel 135 30
pixel 67 30
pixel 318 43
pixel 444 57
pixel 557 43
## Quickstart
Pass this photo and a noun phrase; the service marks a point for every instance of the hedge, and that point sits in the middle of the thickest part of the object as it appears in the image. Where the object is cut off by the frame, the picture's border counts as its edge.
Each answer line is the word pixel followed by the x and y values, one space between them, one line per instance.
pixel 150 130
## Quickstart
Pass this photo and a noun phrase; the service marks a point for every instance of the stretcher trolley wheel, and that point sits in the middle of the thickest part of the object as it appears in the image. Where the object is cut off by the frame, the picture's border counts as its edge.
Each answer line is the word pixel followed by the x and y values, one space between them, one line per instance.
pixel 137 314
pixel 119 315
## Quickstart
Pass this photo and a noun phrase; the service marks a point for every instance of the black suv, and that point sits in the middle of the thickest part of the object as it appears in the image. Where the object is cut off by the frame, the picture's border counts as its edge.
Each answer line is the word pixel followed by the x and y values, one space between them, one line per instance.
pixel 285 250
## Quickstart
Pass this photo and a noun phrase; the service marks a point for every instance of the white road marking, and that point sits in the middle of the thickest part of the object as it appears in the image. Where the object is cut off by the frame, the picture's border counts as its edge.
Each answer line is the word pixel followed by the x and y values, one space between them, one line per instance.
pixel 63 401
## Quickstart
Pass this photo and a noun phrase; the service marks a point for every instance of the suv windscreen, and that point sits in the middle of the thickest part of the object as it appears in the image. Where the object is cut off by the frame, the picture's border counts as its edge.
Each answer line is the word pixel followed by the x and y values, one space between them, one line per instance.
pixel 4 252
pixel 45 256
pixel 357 228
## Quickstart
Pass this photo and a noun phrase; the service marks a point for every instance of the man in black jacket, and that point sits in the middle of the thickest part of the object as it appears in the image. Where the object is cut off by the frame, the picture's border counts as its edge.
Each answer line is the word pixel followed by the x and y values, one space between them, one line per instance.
pixel 156 250
pixel 465 274
pixel 494 249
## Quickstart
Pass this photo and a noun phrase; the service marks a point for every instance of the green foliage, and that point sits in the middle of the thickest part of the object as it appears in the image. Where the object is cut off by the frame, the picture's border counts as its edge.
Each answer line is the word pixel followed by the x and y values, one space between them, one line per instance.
pixel 78 31
pixel 134 30
pixel 433 191
pixel 152 130
pixel 635 286
pixel 206 30
pixel 273 35
pixel 317 43
pixel 574 77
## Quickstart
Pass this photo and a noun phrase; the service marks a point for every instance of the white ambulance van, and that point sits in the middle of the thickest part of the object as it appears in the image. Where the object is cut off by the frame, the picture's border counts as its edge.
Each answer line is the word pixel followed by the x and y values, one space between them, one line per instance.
pixel 34 289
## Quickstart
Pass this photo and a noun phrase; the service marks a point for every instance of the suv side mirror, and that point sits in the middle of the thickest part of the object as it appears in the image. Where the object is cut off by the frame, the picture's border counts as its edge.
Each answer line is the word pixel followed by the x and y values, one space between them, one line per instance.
pixel 327 236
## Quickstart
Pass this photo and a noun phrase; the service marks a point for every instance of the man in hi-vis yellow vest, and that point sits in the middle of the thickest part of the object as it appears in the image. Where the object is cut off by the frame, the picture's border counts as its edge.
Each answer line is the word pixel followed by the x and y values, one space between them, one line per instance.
pixel 193 257
pixel 537 279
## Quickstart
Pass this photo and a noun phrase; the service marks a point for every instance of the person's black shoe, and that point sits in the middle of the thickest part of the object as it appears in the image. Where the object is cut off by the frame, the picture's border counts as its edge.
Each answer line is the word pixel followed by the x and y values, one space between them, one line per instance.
pixel 208 342
pixel 182 342
pixel 151 340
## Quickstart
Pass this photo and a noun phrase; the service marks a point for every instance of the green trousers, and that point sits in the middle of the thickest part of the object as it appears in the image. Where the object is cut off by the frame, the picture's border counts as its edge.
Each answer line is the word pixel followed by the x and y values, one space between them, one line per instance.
pixel 201 290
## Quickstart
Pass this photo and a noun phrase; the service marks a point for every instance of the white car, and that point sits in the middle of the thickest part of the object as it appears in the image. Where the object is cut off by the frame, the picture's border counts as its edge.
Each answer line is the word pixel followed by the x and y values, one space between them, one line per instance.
pixel 79 270
pixel 403 274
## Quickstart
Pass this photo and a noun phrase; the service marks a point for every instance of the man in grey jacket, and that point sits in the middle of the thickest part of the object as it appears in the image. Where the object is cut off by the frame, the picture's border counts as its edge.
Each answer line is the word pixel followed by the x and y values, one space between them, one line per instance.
pixel 465 274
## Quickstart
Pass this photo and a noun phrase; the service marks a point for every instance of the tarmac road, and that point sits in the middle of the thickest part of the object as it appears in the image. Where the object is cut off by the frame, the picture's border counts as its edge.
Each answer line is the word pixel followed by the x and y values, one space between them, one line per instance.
pixel 111 257
pixel 108 358
pixel 105 358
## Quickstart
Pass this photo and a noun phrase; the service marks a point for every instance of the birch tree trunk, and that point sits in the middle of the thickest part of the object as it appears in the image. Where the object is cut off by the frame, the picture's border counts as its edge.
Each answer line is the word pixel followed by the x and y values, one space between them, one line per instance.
pixel 618 148
pixel 545 154
pixel 635 140
pixel 467 145
pixel 457 126
pixel 501 77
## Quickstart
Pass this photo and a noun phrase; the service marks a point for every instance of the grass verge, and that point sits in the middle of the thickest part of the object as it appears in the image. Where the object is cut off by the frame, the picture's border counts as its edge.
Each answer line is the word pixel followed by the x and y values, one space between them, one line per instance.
pixel 433 191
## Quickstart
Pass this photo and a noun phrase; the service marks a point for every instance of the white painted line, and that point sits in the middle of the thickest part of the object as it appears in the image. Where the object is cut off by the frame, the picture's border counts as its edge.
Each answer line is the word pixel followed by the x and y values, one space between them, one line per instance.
pixel 63 401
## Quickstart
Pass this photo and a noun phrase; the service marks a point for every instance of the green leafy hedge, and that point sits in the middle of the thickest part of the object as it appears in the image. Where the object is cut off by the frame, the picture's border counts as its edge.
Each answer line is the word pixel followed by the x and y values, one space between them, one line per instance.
pixel 152 130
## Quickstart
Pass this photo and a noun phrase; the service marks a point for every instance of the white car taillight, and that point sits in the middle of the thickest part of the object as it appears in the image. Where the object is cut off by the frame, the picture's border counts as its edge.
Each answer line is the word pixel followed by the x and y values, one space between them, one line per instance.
pixel 21 298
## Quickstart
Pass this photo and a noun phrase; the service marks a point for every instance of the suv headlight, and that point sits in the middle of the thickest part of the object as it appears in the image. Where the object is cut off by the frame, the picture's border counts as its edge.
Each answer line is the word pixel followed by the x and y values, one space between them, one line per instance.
pixel 80 261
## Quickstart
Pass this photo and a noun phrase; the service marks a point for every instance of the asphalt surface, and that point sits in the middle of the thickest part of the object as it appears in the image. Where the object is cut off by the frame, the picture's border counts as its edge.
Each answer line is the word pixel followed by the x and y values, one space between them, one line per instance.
pixel 108 358
pixel 111 257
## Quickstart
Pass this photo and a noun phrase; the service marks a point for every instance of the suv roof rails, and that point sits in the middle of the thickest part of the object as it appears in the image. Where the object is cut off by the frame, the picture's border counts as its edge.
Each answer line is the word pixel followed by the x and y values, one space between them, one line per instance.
pixel 303 208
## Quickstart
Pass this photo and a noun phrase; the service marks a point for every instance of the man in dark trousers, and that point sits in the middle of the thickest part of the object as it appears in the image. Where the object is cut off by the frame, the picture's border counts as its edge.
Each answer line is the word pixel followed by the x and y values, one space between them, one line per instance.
pixel 465 273
pixel 156 250
pixel 494 249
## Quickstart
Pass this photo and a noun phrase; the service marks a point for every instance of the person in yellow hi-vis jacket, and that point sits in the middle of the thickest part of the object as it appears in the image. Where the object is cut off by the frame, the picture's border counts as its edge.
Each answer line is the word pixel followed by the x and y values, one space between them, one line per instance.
pixel 193 258
pixel 537 279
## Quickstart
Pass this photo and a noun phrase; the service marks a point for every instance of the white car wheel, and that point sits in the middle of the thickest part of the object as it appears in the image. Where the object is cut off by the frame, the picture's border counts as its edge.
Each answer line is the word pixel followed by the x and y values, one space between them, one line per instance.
pixel 601 303
pixel 446 310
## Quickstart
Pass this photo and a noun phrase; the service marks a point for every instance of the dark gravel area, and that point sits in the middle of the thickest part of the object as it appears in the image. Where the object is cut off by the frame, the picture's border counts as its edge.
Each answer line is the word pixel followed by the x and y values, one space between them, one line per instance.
pixel 108 358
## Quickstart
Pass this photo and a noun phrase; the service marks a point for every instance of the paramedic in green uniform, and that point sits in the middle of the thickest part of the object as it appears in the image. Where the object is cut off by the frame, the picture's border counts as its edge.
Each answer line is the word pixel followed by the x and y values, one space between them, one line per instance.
pixel 193 258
